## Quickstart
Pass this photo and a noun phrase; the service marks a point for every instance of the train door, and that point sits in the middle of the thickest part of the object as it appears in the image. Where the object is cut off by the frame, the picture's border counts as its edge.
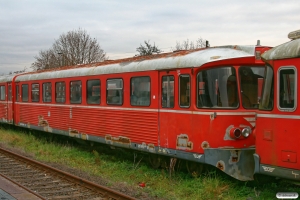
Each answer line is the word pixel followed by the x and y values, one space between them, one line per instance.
pixel 287 105
pixel 9 103
pixel 3 103
pixel 175 116
pixel 167 98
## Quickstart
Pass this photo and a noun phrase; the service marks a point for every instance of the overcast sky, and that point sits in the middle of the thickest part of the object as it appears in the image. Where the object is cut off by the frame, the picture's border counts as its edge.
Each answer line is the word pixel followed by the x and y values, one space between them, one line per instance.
pixel 28 26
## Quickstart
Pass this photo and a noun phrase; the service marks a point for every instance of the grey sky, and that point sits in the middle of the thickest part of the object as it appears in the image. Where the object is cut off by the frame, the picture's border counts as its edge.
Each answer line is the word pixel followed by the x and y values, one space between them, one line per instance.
pixel 28 26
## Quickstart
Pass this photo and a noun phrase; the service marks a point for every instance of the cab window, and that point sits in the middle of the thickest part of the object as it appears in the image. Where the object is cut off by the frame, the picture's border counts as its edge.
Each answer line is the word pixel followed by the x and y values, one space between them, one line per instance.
pixel 217 88
pixel 287 88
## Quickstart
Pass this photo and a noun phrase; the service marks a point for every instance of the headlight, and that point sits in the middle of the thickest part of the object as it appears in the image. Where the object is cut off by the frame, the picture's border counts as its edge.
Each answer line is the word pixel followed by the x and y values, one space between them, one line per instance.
pixel 246 132
pixel 235 133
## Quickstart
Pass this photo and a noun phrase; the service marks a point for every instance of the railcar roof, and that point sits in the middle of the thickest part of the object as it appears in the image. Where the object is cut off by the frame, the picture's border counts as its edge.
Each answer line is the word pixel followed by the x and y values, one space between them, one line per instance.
pixel 165 61
pixel 6 78
pixel 290 49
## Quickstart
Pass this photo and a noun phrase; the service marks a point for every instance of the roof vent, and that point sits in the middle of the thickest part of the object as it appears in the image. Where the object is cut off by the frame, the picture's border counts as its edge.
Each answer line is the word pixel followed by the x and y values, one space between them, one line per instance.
pixel 258 43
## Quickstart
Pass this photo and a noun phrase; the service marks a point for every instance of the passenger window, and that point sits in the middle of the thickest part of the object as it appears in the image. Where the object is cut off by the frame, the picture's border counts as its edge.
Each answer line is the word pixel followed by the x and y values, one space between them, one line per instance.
pixel 75 92
pixel 35 92
pixel 17 93
pixel 167 92
pixel 60 92
pixel 287 85
pixel 2 92
pixel 25 92
pixel 184 90
pixel 114 91
pixel 47 92
pixel 9 93
pixel 140 91
pixel 93 92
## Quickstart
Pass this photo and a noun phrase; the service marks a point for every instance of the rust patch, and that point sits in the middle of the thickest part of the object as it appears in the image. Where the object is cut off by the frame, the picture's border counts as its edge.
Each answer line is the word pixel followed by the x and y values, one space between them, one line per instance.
pixel 47 129
pixel 42 121
pixel 73 133
pixel 215 57
pixel 183 142
pixel 121 139
pixel 221 165
pixel 234 156
pixel 151 147
pixel 205 145
pixel 84 136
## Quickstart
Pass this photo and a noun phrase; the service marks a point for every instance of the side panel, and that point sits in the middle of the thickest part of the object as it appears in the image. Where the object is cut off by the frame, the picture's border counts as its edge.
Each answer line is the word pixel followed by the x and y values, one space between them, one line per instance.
pixel 277 134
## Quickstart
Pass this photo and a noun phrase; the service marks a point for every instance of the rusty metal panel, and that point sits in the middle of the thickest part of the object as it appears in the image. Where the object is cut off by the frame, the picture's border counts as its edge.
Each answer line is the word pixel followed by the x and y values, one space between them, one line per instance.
pixel 238 163
pixel 287 50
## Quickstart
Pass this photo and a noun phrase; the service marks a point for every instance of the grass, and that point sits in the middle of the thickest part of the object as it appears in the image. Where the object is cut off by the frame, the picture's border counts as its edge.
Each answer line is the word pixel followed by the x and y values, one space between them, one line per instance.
pixel 120 167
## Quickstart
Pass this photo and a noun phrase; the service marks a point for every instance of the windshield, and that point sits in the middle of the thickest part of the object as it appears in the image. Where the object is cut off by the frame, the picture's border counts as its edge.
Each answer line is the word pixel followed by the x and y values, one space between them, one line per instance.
pixel 251 82
pixel 217 88
pixel 268 90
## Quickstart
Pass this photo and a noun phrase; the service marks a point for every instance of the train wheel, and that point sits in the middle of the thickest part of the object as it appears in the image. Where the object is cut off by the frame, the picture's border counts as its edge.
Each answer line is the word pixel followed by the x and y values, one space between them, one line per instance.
pixel 194 168
pixel 155 161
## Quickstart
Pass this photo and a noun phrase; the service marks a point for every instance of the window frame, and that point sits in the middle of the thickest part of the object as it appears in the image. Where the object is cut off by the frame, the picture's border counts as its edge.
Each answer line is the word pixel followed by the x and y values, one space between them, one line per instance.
pixel 168 101
pixel 72 101
pixel 121 97
pixel 22 92
pixel 32 95
pixel 136 97
pixel 45 99
pixel 280 69
pixel 188 88
pixel 63 92
pixel 89 93
pixel 2 99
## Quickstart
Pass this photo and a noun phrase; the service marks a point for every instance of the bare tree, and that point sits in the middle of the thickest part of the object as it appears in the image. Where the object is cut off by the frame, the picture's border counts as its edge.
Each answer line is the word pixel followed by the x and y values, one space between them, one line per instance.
pixel 18 72
pixel 148 49
pixel 188 45
pixel 72 48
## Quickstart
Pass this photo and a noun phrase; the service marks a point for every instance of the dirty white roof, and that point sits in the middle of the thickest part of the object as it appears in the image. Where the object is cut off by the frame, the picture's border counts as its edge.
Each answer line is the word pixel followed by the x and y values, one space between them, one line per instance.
pixel 6 78
pixel 193 58
pixel 290 49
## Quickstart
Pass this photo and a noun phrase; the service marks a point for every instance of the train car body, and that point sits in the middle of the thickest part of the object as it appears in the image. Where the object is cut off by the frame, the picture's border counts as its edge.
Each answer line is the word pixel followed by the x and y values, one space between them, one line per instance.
pixel 196 105
pixel 277 134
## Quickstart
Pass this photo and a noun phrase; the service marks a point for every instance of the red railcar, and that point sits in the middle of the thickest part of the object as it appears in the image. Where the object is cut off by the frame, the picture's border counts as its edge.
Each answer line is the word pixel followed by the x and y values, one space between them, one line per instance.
pixel 277 134
pixel 196 105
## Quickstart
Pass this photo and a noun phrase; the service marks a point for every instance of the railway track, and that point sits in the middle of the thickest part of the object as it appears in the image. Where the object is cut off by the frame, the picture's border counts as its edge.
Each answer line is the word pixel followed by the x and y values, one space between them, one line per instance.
pixel 50 183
